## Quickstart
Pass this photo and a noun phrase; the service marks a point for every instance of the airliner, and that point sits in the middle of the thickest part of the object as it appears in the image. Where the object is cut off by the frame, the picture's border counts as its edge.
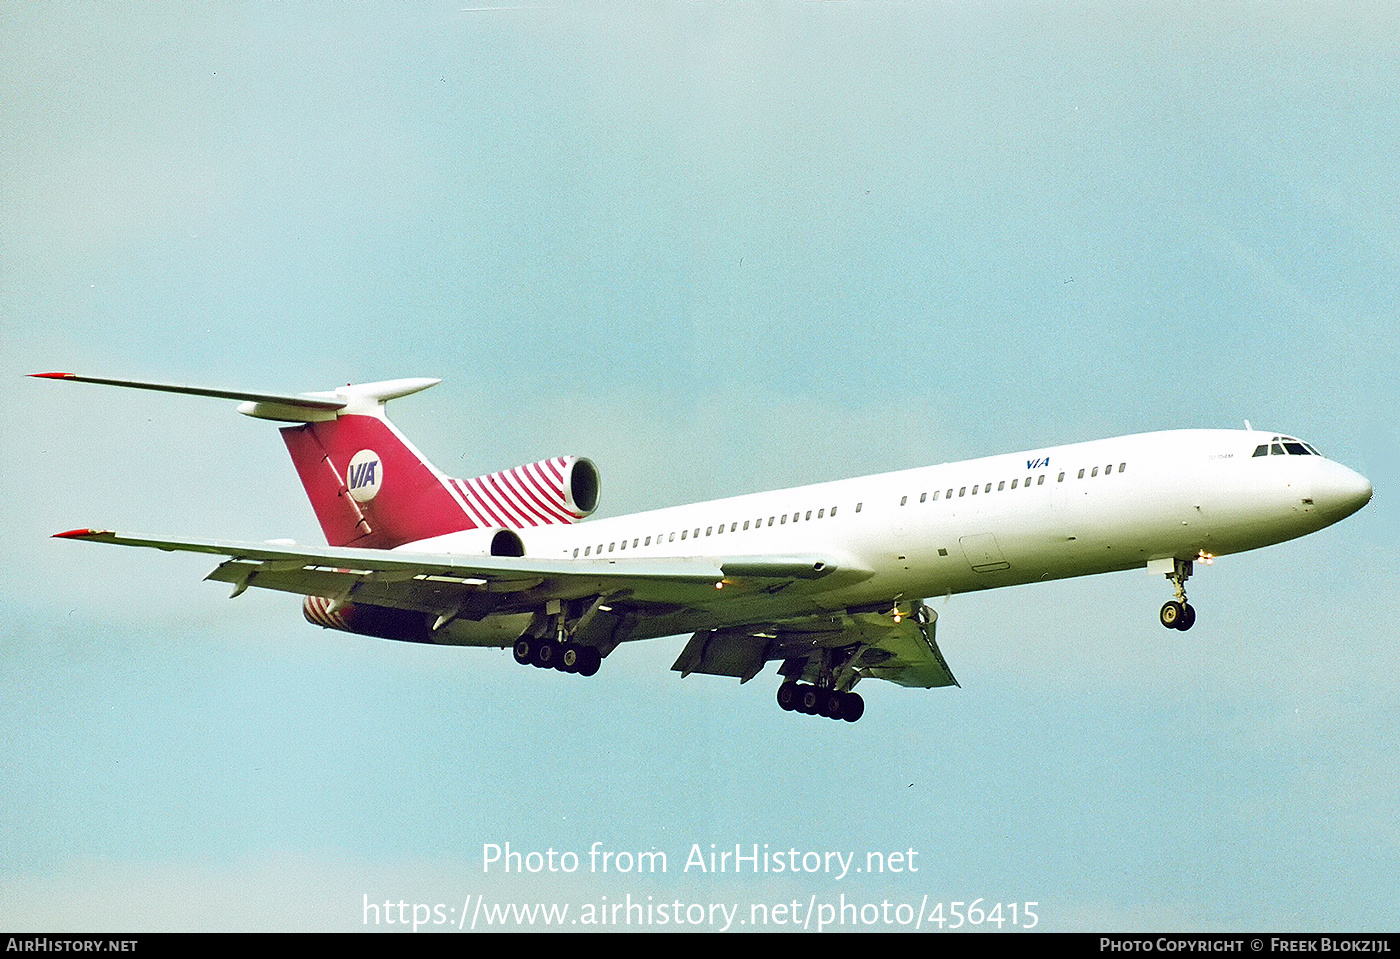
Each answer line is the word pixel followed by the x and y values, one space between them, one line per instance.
pixel 827 580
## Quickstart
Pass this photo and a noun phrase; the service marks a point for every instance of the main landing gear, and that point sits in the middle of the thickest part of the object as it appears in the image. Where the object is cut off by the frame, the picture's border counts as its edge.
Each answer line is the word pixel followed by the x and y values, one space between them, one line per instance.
pixel 564 656
pixel 536 648
pixel 1178 613
pixel 815 701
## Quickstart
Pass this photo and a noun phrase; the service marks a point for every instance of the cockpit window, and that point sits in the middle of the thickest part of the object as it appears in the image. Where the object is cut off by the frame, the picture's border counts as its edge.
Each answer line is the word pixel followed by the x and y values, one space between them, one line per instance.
pixel 1285 446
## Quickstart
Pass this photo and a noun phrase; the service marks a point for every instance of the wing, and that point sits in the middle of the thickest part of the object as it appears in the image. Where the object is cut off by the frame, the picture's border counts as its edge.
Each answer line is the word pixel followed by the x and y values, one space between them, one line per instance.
pixel 895 644
pixel 452 585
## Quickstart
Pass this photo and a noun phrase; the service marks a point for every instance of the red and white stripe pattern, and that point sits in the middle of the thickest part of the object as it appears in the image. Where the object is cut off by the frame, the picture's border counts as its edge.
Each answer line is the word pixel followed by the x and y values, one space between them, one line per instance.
pixel 532 495
pixel 317 610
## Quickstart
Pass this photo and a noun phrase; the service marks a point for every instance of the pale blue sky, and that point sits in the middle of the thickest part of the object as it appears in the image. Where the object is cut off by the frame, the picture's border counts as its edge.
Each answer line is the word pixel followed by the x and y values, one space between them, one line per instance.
pixel 715 247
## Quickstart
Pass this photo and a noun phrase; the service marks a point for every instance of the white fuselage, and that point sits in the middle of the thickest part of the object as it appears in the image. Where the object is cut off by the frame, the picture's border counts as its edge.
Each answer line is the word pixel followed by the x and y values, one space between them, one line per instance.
pixel 1004 520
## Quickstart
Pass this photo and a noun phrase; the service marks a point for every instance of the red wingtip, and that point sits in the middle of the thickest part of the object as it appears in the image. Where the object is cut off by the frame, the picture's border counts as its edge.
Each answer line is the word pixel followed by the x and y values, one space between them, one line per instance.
pixel 53 376
pixel 79 533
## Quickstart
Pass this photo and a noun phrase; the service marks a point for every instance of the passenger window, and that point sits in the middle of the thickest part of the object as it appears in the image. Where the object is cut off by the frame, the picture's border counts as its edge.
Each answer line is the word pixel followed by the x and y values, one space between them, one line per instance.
pixel 988 489
pixel 575 552
pixel 833 511
pixel 858 506
pixel 807 517
pixel 708 531
pixel 1122 466
pixel 1014 482
pixel 975 489
pixel 962 490
pixel 1094 472
pixel 1001 486
pixel 1108 469
pixel 648 542
pixel 610 547
pixel 588 551
pixel 950 494
pixel 1081 475
pixel 1041 481
pixel 903 500
pixel 821 512
pixel 1060 478
pixel 672 538
pixel 746 524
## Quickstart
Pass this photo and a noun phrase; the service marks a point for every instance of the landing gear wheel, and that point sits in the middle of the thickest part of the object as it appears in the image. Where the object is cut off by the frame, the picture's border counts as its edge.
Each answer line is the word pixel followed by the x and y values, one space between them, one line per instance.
pixel 522 651
pixel 546 654
pixel 569 659
pixel 1172 614
pixel 853 708
pixel 1188 617
pixel 832 704
pixel 589 659
pixel 809 701
pixel 787 696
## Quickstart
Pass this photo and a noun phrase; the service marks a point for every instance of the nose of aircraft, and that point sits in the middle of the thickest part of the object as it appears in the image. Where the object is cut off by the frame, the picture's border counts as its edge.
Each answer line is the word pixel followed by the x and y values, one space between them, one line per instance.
pixel 1338 491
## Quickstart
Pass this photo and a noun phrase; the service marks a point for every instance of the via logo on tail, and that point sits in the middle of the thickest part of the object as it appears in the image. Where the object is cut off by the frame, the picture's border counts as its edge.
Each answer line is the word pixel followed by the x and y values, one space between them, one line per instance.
pixel 364 476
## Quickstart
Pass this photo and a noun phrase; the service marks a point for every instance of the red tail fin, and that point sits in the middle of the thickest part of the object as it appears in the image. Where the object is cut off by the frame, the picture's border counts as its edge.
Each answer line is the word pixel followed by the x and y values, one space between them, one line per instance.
pixel 369 486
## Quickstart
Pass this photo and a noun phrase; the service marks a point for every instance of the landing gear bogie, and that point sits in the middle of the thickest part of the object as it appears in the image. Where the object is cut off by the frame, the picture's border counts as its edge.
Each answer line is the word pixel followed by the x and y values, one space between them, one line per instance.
pixel 814 701
pixel 551 654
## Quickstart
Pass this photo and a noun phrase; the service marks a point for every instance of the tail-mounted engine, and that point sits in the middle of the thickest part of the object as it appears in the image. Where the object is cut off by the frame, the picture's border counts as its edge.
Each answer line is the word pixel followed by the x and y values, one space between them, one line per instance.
pixel 563 489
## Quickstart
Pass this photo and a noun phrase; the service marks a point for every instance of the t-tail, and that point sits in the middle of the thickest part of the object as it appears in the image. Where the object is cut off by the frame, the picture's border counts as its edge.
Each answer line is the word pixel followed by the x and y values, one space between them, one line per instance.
pixel 371 488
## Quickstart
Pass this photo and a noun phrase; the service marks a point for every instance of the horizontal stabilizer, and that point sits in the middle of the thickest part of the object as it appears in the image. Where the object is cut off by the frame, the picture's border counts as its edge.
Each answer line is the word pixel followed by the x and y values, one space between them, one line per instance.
pixel 286 407
pixel 327 402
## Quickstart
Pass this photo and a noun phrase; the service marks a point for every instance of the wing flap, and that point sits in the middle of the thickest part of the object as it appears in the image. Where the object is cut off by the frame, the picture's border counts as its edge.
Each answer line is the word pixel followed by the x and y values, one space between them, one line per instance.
pixel 856 644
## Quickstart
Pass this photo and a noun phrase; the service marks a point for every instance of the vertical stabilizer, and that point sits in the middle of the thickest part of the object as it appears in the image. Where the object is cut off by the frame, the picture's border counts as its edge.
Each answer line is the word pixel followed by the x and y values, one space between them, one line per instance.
pixel 368 485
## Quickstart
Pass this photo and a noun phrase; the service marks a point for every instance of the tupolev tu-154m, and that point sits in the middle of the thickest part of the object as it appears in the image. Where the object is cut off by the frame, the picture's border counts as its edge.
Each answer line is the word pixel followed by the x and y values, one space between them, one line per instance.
pixel 827 580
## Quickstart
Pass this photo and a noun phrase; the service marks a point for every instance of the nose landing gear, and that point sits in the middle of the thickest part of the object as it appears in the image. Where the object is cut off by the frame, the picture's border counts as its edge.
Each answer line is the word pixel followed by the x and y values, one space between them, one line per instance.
pixel 1178 613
